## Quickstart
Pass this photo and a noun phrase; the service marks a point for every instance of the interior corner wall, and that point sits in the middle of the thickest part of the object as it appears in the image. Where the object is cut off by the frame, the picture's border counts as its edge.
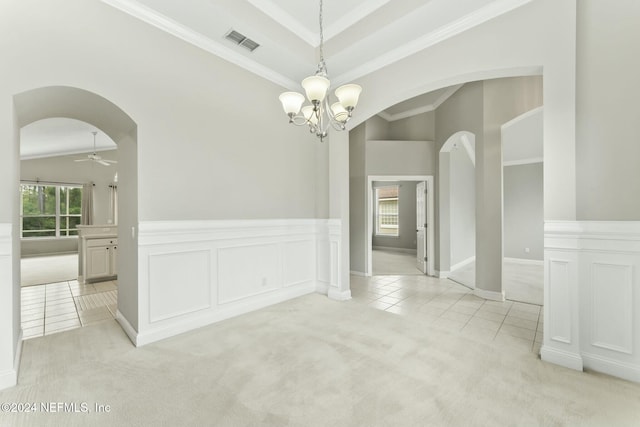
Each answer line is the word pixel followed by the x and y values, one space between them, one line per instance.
pixel 420 127
pixel 406 238
pixel 607 110
pixel 524 212
pixel 376 128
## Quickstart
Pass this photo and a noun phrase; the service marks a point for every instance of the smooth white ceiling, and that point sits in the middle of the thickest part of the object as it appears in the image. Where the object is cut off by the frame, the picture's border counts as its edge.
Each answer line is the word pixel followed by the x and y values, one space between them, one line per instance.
pixel 61 136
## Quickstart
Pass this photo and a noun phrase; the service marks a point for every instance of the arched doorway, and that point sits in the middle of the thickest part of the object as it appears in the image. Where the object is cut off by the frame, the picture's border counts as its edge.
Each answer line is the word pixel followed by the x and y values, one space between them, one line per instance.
pixel 78 104
pixel 457 208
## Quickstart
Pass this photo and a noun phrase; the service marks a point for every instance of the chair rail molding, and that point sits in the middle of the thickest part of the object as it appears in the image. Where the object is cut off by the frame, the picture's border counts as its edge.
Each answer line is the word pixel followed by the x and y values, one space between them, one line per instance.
pixel 194 273
pixel 592 296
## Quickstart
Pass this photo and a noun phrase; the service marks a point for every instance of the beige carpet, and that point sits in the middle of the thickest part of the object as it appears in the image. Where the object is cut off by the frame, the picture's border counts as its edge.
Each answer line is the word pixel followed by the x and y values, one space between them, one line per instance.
pixel 48 269
pixel 311 362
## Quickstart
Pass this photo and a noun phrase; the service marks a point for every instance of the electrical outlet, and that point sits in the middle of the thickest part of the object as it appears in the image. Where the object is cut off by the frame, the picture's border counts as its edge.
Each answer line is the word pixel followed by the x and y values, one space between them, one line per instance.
pixel 527 250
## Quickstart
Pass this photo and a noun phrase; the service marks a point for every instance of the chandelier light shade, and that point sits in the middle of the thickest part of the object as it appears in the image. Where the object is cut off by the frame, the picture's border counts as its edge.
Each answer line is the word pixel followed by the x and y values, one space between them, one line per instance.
pixel 319 116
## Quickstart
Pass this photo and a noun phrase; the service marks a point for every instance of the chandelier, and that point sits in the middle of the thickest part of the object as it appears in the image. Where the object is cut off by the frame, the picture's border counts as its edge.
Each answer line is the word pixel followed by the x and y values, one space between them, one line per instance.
pixel 320 114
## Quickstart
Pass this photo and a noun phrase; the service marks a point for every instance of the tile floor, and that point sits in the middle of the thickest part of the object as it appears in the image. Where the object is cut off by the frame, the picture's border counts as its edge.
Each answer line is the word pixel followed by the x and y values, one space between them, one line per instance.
pixel 56 307
pixel 452 306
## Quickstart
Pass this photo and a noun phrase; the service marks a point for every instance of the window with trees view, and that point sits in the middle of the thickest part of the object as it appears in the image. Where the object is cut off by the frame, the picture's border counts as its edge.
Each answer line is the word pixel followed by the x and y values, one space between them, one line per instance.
pixel 50 210
pixel 387 211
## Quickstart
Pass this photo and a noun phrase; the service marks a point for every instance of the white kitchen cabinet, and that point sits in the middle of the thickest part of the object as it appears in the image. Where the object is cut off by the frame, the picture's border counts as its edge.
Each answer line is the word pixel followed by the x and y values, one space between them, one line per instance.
pixel 97 253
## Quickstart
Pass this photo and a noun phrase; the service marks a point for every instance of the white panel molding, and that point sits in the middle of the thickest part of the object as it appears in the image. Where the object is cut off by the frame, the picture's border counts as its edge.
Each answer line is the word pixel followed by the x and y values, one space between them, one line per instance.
pixel 228 268
pixel 336 290
pixel 490 295
pixel 592 311
pixel 9 378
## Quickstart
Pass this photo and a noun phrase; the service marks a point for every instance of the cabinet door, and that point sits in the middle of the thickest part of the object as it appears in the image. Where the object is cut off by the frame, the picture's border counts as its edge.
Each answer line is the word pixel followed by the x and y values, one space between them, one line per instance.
pixel 98 261
pixel 114 260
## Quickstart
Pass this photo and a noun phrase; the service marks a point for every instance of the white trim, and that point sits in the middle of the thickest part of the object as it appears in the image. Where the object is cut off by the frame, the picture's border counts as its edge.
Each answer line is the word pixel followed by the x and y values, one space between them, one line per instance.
pixel 420 110
pixel 612 367
pixel 9 378
pixel 468 148
pixel 337 295
pixel 357 273
pixel 529 161
pixel 462 263
pixel 523 116
pixel 562 358
pixel 442 274
pixel 156 19
pixel 490 295
pixel 369 200
pixel 127 328
pixel 392 249
pixel 539 262
pixel 471 20
pixel 459 26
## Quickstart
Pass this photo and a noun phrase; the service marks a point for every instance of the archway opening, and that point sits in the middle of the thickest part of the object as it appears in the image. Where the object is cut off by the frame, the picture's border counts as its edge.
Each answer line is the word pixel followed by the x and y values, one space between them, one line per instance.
pixel 59 102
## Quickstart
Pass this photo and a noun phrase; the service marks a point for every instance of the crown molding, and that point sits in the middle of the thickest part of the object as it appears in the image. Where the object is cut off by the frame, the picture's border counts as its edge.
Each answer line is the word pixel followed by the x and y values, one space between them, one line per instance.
pixel 420 110
pixel 461 25
pixel 140 11
pixel 151 17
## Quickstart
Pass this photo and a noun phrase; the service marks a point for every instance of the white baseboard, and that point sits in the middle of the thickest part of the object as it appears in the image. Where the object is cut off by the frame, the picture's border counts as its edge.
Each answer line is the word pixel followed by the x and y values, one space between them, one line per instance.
pixel 392 249
pixel 10 378
pixel 462 263
pixel 128 329
pixel 357 273
pixel 490 295
pixel 525 261
pixel 442 274
pixel 322 288
pixel 611 367
pixel 339 295
pixel 562 358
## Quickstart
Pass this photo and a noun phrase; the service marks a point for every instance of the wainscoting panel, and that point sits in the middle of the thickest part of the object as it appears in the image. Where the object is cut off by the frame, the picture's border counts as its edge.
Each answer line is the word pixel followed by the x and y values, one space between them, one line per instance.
pixel 180 283
pixel 605 292
pixel 9 347
pixel 611 307
pixel 246 271
pixel 299 262
pixel 194 273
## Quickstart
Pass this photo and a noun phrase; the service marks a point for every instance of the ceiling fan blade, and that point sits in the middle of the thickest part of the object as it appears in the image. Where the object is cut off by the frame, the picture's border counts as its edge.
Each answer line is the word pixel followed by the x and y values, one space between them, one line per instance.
pixel 81 160
pixel 109 161
pixel 102 162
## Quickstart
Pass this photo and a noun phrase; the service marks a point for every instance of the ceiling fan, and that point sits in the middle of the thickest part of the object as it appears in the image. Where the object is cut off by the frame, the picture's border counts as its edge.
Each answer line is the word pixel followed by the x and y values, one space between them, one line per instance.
pixel 95 157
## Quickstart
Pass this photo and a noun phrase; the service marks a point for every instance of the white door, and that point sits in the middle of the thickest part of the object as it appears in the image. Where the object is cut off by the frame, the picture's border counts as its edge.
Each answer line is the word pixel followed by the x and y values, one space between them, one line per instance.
pixel 421 226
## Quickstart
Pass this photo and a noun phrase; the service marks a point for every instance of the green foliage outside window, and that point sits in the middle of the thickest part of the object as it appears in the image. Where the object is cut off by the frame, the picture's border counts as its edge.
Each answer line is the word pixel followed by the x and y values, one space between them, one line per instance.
pixel 50 210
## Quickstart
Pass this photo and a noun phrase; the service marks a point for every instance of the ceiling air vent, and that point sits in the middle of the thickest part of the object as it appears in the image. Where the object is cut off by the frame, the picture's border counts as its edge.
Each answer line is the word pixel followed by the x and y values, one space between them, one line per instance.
pixel 242 40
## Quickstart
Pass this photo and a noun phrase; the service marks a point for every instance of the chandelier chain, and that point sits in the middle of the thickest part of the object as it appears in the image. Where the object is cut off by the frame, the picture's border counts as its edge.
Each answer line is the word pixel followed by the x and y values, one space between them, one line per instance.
pixel 323 66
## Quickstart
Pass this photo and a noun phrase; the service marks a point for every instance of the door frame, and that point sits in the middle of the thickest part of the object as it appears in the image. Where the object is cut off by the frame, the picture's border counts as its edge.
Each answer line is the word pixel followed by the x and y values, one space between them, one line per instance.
pixel 430 217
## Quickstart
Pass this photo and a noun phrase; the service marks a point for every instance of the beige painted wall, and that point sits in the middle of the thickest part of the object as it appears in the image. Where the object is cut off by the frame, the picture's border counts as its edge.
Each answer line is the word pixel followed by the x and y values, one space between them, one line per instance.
pixel 607 110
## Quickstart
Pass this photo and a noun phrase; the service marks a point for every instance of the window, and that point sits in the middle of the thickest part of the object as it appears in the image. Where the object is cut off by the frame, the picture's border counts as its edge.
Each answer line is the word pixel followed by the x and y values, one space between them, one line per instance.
pixel 50 210
pixel 387 210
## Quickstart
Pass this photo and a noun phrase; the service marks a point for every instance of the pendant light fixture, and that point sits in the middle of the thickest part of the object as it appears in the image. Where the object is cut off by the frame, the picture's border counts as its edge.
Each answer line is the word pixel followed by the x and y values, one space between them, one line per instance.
pixel 321 113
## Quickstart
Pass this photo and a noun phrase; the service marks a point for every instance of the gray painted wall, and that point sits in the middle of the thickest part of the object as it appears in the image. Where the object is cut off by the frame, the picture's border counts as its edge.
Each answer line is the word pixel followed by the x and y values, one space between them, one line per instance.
pixel 64 169
pixel 524 211
pixel 406 220
pixel 420 127
pixel 463 111
pixel 357 198
pixel 607 110
pixel 504 99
